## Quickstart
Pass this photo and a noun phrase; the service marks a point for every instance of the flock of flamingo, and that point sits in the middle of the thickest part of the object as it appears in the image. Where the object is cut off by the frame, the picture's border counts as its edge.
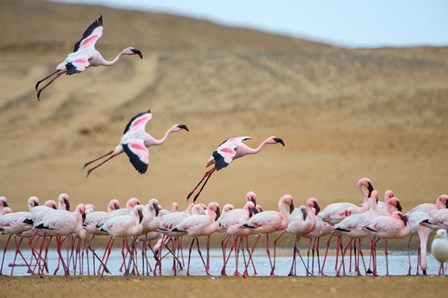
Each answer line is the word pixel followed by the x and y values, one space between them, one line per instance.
pixel 347 223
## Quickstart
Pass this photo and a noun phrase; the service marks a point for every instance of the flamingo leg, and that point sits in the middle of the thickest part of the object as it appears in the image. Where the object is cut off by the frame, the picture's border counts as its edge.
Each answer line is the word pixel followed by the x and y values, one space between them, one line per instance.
pixel 98 158
pixel 4 254
pixel 100 164
pixel 206 176
pixel 58 74
pixel 40 81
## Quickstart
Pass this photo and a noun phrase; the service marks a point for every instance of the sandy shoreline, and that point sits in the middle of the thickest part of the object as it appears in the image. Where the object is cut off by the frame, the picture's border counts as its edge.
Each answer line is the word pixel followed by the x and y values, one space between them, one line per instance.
pixel 405 286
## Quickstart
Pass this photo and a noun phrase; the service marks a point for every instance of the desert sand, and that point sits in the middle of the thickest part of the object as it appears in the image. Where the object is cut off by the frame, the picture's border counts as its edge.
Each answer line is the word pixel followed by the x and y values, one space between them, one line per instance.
pixel 343 114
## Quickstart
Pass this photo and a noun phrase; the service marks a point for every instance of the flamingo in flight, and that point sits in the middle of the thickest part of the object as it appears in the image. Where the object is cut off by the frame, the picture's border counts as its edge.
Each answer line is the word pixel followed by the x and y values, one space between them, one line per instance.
pixel 229 150
pixel 84 55
pixel 135 141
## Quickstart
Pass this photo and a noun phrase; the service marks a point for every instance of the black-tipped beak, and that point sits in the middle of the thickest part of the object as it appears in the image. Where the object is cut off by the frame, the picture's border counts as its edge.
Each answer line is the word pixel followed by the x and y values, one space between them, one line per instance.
pixel 183 126
pixel 67 205
pixel 83 217
pixel 157 208
pixel 116 207
pixel 254 211
pixel 251 212
pixel 370 188
pixel 36 204
pixel 138 52
pixel 218 213
pixel 399 208
pixel 317 207
pixel 404 219
pixel 278 140
pixel 5 204
pixel 140 216
pixel 291 208
pixel 304 213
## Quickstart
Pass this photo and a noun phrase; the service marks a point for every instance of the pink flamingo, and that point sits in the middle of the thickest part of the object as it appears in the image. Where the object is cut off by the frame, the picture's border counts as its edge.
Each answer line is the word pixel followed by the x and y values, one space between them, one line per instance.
pixel 336 212
pixel 123 226
pixel 437 220
pixel 228 151
pixel 12 224
pixel 353 225
pixel 200 225
pixel 61 223
pixel 268 222
pixel 392 226
pixel 150 224
pixel 85 55
pixel 416 215
pixel 232 223
pixel 135 142
pixel 301 222
pixel 3 204
pixel 130 204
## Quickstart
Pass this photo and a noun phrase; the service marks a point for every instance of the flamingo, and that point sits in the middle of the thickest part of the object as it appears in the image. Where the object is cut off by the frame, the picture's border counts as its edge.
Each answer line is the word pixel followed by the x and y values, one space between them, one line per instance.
pixel 336 212
pixel 123 226
pixel 439 249
pixel 135 141
pixel 418 216
pixel 12 224
pixel 61 223
pixel 301 222
pixel 228 151
pixel 200 225
pixel 392 226
pixel 150 225
pixel 85 55
pixel 3 204
pixel 268 222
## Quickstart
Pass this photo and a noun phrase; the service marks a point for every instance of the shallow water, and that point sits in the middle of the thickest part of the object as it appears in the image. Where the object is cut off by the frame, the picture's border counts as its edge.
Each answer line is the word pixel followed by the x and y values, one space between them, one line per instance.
pixel 398 263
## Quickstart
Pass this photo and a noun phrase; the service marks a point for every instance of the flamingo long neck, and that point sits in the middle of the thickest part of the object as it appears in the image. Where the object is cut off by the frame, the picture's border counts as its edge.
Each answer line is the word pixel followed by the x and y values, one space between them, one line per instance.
pixel 258 149
pixel 105 62
pixel 165 137
pixel 284 212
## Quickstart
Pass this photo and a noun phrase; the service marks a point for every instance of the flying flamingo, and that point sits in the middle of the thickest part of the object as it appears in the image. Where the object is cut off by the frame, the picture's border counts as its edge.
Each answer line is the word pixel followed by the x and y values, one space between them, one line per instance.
pixel 439 249
pixel 135 141
pixel 229 150
pixel 85 55
pixel 268 222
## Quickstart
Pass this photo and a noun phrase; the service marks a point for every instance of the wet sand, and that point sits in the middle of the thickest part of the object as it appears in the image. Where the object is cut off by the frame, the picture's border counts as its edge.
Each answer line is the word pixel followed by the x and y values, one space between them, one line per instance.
pixel 398 287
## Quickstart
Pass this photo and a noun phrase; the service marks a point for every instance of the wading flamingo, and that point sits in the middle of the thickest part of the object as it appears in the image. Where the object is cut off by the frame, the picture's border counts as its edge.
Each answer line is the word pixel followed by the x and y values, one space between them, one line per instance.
pixel 229 150
pixel 267 222
pixel 84 55
pixel 135 142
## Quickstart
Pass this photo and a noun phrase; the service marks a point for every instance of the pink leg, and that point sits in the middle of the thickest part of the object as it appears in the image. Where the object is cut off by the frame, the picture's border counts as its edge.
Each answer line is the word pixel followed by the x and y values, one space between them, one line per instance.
pixel 4 253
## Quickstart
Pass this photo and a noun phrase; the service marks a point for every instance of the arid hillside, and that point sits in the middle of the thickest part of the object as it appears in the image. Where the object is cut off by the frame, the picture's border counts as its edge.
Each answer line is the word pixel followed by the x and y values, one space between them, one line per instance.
pixel 343 114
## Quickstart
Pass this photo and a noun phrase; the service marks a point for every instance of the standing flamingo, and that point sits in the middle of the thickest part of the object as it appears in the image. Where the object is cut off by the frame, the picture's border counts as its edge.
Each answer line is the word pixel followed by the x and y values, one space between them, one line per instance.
pixel 85 55
pixel 229 150
pixel 301 222
pixel 268 222
pixel 135 141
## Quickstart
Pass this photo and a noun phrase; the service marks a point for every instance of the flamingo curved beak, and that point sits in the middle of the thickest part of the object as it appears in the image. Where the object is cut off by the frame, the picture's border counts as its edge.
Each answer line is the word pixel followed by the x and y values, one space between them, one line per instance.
pixel 183 126
pixel 138 52
pixel 317 207
pixel 278 140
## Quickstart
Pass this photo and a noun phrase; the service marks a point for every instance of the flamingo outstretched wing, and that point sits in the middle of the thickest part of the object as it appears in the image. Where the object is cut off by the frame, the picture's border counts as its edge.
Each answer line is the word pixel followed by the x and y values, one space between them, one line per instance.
pixel 78 60
pixel 138 122
pixel 138 154
pixel 226 152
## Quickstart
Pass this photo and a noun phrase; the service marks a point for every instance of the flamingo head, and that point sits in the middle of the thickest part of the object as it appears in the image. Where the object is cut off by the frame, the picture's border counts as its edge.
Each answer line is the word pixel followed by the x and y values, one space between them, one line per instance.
pixel 51 204
pixel 133 51
pixel 276 140
pixel 33 201
pixel 114 204
pixel 154 205
pixel 179 127
pixel 4 202
pixel 312 202
pixel 139 211
pixel 132 202
pixel 396 203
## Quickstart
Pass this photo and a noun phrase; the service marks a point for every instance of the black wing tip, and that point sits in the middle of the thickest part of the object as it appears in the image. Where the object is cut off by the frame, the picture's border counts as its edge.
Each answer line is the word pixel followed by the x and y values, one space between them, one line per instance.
pixel 140 166
pixel 219 161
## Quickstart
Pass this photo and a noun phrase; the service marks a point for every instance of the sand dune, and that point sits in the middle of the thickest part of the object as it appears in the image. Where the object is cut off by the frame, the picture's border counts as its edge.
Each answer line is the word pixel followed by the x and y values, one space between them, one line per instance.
pixel 344 114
